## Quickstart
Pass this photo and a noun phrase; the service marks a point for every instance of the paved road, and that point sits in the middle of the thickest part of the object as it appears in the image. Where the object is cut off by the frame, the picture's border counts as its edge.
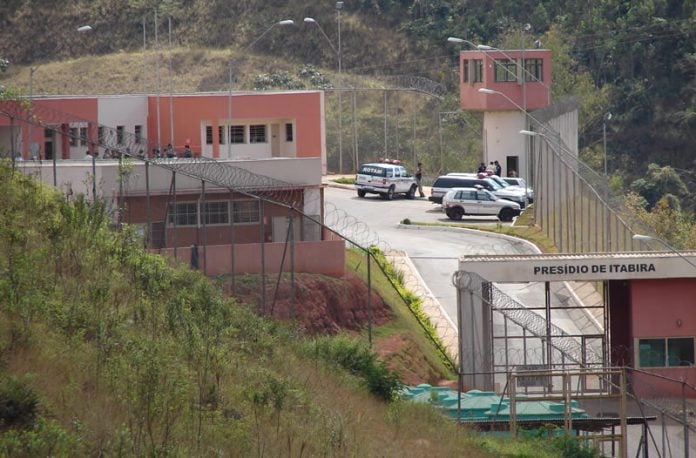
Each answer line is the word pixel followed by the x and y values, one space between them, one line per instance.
pixel 434 252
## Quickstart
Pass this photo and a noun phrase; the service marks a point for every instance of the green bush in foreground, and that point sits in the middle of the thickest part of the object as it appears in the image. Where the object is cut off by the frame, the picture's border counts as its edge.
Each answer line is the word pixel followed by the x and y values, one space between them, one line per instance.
pixel 359 359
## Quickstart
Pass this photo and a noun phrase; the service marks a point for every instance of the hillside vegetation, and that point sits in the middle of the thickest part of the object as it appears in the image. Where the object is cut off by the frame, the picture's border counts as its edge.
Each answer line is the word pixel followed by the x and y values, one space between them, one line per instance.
pixel 106 349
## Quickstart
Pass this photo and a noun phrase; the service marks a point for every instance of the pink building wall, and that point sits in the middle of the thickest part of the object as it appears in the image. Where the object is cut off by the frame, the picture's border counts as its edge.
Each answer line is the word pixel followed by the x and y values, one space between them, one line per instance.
pixel 63 112
pixel 537 93
pixel 324 257
pixel 663 308
pixel 305 108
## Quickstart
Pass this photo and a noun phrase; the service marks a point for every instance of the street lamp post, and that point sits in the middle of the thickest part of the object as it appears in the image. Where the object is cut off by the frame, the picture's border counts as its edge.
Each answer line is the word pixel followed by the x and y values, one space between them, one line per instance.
pixel 606 118
pixel 85 29
pixel 31 108
pixel 229 96
pixel 337 51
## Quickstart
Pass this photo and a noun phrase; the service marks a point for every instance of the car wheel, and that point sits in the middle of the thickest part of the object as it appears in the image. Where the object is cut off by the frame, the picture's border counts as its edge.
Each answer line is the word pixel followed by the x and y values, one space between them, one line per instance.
pixel 361 193
pixel 505 215
pixel 389 195
pixel 455 213
pixel 411 194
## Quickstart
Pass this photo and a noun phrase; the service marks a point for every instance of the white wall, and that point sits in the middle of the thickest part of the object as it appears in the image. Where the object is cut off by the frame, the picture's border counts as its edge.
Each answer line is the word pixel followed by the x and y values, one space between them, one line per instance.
pixel 76 175
pixel 501 138
pixel 124 110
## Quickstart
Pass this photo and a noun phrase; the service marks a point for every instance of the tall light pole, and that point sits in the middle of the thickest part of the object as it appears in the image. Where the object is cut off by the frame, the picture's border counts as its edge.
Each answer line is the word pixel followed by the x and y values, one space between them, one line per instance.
pixel 605 119
pixel 31 108
pixel 339 7
pixel 229 95
pixel 337 51
pixel 86 29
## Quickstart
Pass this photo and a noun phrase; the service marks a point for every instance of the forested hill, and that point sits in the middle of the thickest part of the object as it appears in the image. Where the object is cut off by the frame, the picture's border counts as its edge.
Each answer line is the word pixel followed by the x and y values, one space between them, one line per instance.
pixel 632 58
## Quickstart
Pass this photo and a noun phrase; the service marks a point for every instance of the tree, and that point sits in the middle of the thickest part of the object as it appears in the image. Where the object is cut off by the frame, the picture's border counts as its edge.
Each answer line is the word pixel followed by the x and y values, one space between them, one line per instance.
pixel 661 183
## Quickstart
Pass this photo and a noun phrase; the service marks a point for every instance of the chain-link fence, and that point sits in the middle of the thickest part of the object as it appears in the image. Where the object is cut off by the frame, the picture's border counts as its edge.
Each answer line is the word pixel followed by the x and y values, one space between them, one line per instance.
pixel 575 205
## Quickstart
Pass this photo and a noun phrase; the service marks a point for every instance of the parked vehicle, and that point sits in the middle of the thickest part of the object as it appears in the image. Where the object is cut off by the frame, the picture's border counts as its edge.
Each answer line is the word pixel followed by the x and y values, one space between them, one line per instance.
pixel 521 183
pixel 386 179
pixel 469 180
pixel 458 202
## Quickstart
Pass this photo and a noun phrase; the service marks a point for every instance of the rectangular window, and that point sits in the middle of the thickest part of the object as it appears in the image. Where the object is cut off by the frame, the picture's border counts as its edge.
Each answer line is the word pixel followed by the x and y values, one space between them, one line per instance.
pixel 246 211
pixel 237 134
pixel 138 134
pixel 257 133
pixel 83 136
pixel 473 71
pixel 208 135
pixel 667 352
pixel 505 70
pixel 289 134
pixel 120 130
pixel 73 136
pixel 534 69
pixel 216 213
pixel 100 134
pixel 221 134
pixel 186 214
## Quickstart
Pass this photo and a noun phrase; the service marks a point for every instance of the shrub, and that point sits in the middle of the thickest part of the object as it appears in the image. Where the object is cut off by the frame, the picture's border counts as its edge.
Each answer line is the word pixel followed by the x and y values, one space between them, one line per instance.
pixel 18 404
pixel 359 359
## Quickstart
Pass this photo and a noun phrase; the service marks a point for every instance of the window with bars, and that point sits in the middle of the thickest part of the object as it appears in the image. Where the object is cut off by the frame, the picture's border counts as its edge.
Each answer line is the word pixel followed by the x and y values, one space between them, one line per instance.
pixel 505 70
pixel 208 135
pixel 246 211
pixel 184 214
pixel 534 69
pixel 221 135
pixel 257 133
pixel 83 136
pixel 73 136
pixel 237 134
pixel 289 134
pixel 473 71
pixel 666 352
pixel 100 134
pixel 138 134
pixel 120 132
pixel 216 213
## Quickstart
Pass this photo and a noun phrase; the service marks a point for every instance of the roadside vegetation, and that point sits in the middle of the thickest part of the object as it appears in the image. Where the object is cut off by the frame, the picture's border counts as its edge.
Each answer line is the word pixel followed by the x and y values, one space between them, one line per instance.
pixel 106 349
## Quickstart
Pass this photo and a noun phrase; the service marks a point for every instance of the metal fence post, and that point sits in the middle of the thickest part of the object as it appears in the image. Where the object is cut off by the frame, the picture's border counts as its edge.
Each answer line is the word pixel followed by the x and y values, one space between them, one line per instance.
pixel 685 419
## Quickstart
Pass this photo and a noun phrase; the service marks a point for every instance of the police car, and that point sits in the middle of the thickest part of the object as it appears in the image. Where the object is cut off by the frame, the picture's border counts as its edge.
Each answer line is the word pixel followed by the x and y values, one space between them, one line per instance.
pixel 386 179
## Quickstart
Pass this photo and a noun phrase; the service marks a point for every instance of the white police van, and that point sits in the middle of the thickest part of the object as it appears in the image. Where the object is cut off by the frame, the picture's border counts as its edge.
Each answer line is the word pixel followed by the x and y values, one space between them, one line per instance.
pixel 386 179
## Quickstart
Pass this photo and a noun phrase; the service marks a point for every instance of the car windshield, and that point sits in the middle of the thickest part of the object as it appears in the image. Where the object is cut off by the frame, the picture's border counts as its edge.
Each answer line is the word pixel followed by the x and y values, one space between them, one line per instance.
pixel 500 181
pixel 495 185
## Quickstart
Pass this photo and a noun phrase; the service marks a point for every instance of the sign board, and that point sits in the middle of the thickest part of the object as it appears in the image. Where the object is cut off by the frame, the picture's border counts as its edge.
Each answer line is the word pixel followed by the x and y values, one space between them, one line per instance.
pixel 564 267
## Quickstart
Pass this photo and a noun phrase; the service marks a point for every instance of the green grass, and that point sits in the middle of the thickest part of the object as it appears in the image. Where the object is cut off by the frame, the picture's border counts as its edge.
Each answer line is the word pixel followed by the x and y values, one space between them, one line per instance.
pixel 344 180
pixel 404 323
pixel 523 228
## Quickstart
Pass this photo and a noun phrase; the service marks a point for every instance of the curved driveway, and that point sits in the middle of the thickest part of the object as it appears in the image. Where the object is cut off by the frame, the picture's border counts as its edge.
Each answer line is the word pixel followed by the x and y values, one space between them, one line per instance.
pixel 434 251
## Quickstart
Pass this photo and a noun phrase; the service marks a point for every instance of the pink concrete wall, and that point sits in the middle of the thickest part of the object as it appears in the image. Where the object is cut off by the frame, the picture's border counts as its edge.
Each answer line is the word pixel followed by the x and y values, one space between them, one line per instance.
pixel 663 308
pixel 659 304
pixel 189 110
pixel 322 257
pixel 537 93
pixel 63 111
